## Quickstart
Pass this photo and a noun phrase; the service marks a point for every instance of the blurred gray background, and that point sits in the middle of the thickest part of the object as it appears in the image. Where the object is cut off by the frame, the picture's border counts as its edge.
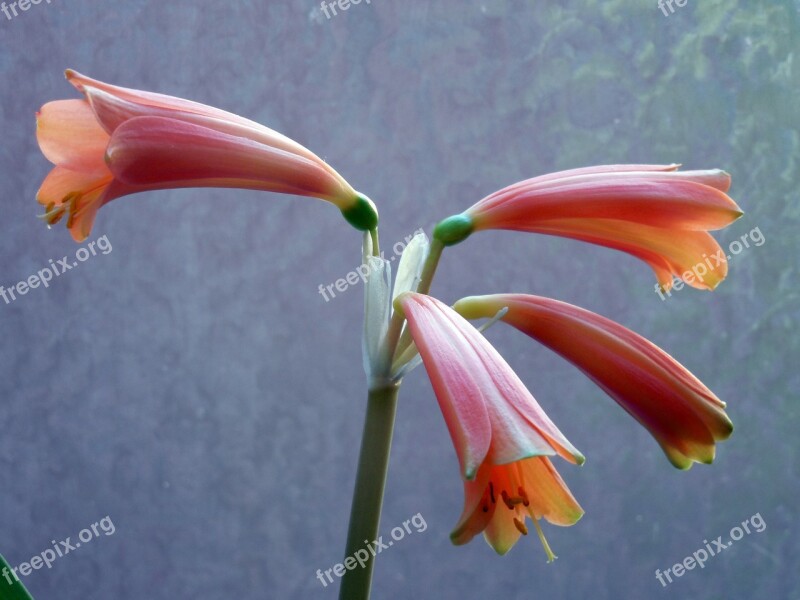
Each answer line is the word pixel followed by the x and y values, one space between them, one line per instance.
pixel 194 386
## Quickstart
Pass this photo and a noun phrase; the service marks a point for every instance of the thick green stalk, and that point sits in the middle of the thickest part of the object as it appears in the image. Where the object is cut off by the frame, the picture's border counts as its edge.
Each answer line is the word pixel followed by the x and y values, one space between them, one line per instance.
pixel 13 590
pixel 365 514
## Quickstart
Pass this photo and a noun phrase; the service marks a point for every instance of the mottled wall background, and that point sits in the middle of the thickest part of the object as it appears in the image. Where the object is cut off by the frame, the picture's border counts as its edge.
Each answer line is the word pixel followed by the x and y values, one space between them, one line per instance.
pixel 194 386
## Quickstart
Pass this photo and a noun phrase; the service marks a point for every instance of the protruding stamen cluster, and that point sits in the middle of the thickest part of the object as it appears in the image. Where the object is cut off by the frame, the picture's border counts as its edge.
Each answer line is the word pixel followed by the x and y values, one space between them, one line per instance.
pixel 55 212
pixel 520 505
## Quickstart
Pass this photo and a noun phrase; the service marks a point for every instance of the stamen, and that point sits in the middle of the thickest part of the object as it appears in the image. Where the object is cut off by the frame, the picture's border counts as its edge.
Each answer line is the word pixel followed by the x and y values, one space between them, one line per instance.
pixel 52 213
pixel 525 502
pixel 70 202
pixel 500 314
pixel 491 493
pixel 520 526
pixel 550 556
pixel 512 501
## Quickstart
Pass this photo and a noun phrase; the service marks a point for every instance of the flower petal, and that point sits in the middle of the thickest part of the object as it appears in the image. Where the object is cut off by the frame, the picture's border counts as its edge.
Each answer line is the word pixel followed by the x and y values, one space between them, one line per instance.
pixel 549 496
pixel 170 153
pixel 70 136
pixel 670 200
pixel 501 533
pixel 88 86
pixel 82 218
pixel 694 256
pixel 490 413
pixel 448 364
pixel 474 519
pixel 60 183
pixel 113 105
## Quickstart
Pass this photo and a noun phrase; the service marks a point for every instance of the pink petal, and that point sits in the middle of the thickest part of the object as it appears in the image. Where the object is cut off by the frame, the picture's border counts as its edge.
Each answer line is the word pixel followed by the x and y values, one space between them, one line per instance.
pixel 490 413
pixel 70 136
pixel 61 183
pixel 114 105
pixel 155 151
pixel 670 253
pixel 669 200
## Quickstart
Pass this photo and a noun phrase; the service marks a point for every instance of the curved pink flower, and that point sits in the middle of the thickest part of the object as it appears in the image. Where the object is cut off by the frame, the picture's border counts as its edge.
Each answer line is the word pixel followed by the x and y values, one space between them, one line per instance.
pixel 683 415
pixel 653 212
pixel 119 141
pixel 501 435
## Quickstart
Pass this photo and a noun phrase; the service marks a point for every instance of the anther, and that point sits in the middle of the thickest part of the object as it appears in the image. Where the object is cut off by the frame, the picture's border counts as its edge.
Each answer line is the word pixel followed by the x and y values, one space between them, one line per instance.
pixel 521 491
pixel 520 526
pixel 70 202
pixel 491 493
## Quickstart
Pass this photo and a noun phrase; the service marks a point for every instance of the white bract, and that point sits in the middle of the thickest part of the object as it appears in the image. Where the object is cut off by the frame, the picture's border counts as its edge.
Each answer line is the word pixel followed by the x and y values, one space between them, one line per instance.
pixel 378 298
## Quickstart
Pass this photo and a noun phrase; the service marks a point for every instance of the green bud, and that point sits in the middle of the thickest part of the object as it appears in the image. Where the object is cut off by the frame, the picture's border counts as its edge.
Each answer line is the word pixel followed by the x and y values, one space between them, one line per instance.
pixel 454 229
pixel 362 214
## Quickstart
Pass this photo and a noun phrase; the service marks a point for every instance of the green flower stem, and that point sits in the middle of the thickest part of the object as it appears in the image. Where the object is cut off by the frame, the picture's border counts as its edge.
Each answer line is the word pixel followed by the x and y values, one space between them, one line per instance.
pixel 373 463
pixel 14 591
pixel 376 247
pixel 429 268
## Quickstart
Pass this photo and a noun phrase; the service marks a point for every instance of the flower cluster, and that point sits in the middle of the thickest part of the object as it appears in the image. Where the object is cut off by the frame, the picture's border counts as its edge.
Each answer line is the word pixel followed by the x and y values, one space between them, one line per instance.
pixel 116 141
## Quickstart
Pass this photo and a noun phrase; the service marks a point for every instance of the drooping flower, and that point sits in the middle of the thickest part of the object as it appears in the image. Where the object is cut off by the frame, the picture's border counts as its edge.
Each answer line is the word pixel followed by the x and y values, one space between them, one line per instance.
pixel 653 212
pixel 501 435
pixel 683 415
pixel 118 141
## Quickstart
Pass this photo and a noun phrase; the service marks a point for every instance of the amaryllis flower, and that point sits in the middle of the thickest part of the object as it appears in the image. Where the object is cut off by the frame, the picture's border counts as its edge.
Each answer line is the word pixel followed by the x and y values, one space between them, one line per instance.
pixel 118 141
pixel 683 415
pixel 501 434
pixel 654 212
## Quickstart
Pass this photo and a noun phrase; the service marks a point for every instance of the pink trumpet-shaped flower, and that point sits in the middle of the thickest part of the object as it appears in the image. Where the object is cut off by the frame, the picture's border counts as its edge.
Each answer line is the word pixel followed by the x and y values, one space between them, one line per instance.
pixel 654 212
pixel 117 141
pixel 501 434
pixel 683 415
